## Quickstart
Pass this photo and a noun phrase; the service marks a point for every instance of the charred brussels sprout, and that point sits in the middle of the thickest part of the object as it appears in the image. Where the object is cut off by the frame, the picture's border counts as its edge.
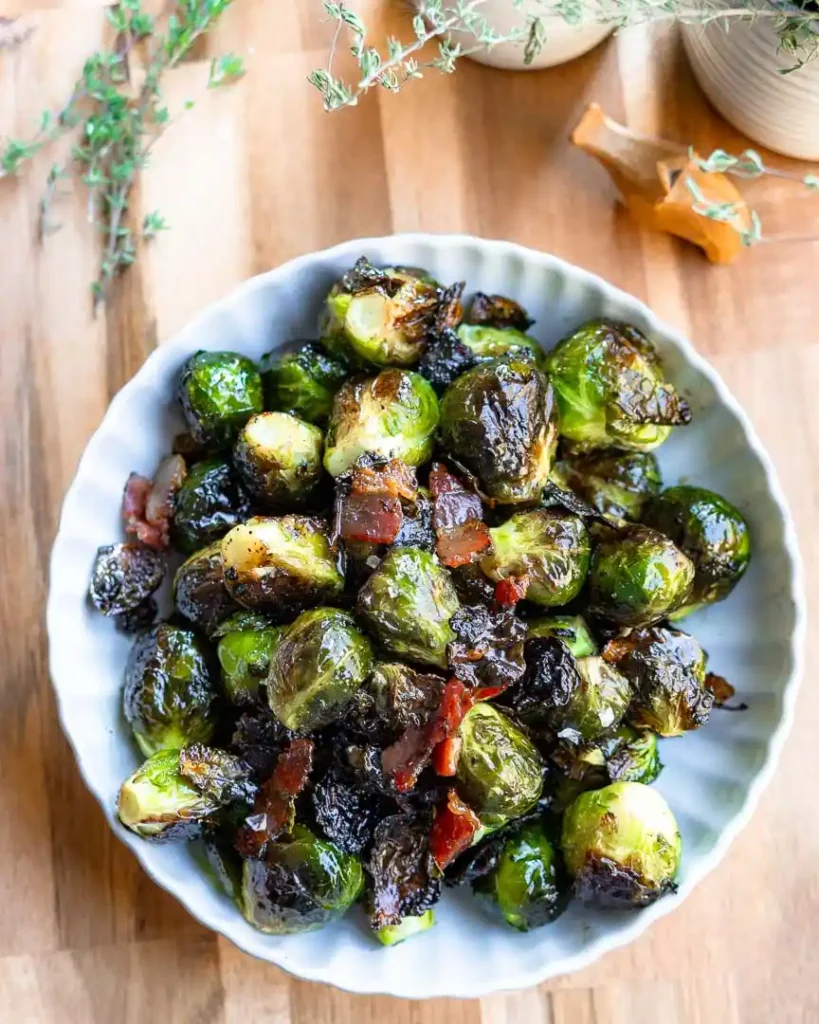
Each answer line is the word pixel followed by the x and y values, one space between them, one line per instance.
pixel 302 884
pixel 392 934
pixel 395 698
pixel 667 670
pixel 527 884
pixel 551 548
pixel 611 391
pixel 487 343
pixel 407 604
pixel 302 382
pixel 711 532
pixel 199 590
pixel 124 576
pixel 207 505
pixel 404 881
pixel 379 317
pixel 219 392
pixel 280 563
pixel 394 415
pixel 278 458
pixel 222 776
pixel 615 484
pixel 637 576
pixel 247 641
pixel 168 698
pixel 500 421
pixel 318 666
pixel 499 771
pixel 633 756
pixel 571 629
pixel 622 845
pixel 157 803
pixel 497 311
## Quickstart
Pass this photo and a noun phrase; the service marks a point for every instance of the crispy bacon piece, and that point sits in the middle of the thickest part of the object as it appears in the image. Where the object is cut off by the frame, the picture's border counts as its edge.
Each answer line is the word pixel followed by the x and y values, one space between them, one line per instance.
pixel 453 830
pixel 147 506
pixel 511 590
pixel 445 756
pixel 368 504
pixel 395 479
pixel 274 806
pixel 457 519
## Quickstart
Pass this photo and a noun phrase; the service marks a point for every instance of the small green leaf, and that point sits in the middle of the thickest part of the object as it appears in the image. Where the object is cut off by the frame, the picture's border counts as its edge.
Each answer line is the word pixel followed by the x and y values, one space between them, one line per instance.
pixel 225 70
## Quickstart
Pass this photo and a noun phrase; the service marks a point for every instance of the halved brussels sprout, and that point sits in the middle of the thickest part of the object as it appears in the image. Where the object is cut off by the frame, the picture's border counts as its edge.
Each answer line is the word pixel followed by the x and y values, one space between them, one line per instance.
pixel 500 421
pixel 157 803
pixel 711 532
pixel 571 629
pixel 302 382
pixel 219 392
pixel 407 604
pixel 247 641
pixel 169 696
pixel 552 548
pixel 379 317
pixel 278 458
pixel 616 484
pixel 622 845
pixel 487 343
pixel 611 391
pixel 302 884
pixel 667 670
pixel 499 771
pixel 527 884
pixel 394 415
pixel 281 563
pixel 392 934
pixel 637 576
pixel 316 669
pixel 199 590
pixel 206 506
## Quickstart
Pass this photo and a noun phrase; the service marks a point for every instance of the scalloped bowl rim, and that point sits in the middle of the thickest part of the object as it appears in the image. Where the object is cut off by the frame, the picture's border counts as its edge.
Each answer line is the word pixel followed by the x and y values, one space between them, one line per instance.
pixel 413 988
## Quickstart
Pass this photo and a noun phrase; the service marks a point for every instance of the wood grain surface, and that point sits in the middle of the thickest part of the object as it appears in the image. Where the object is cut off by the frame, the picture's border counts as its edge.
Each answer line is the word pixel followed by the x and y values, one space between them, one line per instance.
pixel 251 177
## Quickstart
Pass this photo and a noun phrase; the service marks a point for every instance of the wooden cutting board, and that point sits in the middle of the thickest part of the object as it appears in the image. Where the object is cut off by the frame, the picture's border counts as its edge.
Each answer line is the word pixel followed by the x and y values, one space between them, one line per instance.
pixel 251 177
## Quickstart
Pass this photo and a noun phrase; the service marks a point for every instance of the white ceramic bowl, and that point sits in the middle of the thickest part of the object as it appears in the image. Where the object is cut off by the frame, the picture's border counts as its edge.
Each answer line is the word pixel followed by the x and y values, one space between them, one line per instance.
pixel 712 778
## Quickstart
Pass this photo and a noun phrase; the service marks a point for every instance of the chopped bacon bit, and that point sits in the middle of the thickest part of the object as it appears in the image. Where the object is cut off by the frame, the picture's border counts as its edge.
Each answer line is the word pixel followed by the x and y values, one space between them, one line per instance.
pixel 274 806
pixel 445 756
pixel 617 649
pixel 412 751
pixel 511 590
pixel 147 507
pixel 395 480
pixel 453 830
pixel 457 519
pixel 370 517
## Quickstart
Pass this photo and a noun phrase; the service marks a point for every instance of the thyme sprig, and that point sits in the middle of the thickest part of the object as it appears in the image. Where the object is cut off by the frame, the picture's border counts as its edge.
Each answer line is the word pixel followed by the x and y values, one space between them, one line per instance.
pixel 118 123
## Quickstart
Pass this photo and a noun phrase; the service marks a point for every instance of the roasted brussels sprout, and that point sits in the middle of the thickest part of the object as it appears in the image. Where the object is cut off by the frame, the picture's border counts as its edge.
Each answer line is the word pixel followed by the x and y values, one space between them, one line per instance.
pixel 217 774
pixel 633 755
pixel 394 415
pixel 552 548
pixel 404 882
pixel 622 845
pixel 711 532
pixel 615 484
pixel 379 317
pixel 302 382
pixel 396 697
pixel 667 670
pixel 500 421
pixel 625 755
pixel 124 576
pixel 301 884
pixel 392 934
pixel 280 563
pixel 407 604
pixel 445 358
pixel 571 629
pixel 207 505
pixel 278 458
pixel 219 392
pixel 637 576
pixel 488 343
pixel 497 311
pixel 345 811
pixel 527 884
pixel 611 391
pixel 316 669
pixel 199 591
pixel 499 771
pixel 247 641
pixel 169 697
pixel 157 803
